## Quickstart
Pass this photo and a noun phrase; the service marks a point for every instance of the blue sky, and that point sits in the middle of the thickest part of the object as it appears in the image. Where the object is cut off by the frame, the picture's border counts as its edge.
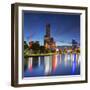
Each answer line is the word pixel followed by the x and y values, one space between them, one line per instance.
pixel 64 27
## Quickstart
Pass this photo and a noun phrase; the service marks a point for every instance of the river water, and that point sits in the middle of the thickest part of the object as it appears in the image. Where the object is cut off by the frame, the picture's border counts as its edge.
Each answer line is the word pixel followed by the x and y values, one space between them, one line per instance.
pixel 61 64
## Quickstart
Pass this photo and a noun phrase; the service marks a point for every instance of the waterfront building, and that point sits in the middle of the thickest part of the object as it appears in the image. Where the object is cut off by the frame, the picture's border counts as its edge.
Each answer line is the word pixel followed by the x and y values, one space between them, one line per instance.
pixel 49 42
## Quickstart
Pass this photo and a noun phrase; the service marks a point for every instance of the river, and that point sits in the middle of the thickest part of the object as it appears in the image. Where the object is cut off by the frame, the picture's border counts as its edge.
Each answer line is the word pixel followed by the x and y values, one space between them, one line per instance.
pixel 61 64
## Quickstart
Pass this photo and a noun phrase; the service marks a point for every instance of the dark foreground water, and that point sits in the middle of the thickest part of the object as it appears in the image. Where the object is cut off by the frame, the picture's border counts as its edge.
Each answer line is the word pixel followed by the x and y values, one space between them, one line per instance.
pixel 65 64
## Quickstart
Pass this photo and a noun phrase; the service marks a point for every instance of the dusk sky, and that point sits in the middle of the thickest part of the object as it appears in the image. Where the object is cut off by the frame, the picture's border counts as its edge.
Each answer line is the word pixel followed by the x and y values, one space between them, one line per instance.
pixel 64 27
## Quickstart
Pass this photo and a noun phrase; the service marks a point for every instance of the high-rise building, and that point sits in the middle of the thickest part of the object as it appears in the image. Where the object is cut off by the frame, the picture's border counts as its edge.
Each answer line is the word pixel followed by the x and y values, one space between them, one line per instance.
pixel 49 42
pixel 48 30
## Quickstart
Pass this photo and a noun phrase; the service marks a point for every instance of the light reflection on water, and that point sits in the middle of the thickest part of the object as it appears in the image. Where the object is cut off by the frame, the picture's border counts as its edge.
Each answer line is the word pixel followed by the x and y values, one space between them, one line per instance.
pixel 62 64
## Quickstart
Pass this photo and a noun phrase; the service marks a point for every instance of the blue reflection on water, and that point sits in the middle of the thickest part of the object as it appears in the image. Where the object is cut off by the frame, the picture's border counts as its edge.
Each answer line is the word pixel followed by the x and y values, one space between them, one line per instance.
pixel 65 64
pixel 74 64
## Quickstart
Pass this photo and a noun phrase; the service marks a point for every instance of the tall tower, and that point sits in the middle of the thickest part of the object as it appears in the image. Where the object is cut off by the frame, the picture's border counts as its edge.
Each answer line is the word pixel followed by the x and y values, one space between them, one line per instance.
pixel 47 36
pixel 48 30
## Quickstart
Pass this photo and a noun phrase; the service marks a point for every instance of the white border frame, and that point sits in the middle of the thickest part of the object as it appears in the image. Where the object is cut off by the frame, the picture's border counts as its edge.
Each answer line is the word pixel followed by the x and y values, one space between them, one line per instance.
pixel 55 78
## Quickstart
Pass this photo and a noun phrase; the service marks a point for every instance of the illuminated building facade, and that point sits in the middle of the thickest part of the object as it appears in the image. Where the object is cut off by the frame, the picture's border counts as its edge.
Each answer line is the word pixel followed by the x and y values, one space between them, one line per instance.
pixel 49 42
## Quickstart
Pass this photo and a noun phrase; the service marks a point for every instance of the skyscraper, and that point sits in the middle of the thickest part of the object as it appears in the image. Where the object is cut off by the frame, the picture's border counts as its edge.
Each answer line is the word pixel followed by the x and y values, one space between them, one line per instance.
pixel 48 30
pixel 48 40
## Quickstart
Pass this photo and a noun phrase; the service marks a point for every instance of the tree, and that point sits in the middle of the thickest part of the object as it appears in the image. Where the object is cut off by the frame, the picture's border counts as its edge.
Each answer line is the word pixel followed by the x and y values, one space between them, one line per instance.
pixel 42 49
pixel 25 45
pixel 36 47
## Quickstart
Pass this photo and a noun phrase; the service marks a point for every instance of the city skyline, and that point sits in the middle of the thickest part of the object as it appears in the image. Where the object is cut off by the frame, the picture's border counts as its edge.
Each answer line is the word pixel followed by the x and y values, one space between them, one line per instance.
pixel 64 27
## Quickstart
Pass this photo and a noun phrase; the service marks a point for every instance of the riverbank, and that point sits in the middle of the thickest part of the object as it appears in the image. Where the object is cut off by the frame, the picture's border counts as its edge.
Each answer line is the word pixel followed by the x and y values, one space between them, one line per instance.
pixel 47 54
